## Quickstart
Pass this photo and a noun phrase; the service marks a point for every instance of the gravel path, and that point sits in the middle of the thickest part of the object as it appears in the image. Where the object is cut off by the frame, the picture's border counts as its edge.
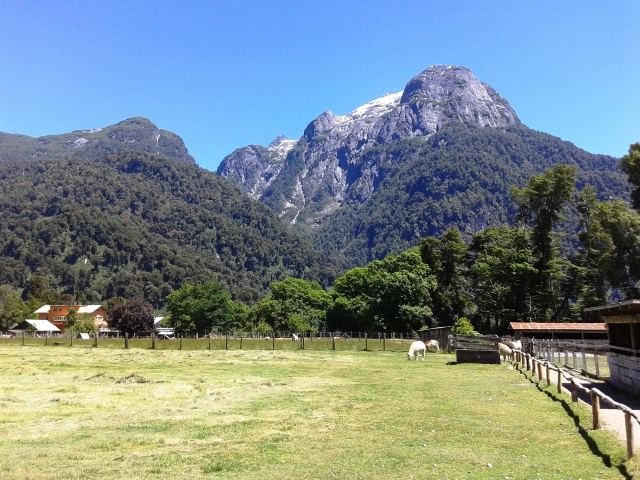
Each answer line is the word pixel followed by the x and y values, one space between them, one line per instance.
pixel 611 418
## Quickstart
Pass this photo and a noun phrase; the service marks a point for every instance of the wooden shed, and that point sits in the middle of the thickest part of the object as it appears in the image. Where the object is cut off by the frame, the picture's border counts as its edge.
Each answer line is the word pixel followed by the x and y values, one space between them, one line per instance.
pixel 439 334
pixel 622 321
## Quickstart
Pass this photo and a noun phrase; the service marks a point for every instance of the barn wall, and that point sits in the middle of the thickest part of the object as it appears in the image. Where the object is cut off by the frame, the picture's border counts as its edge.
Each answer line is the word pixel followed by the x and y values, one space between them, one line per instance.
pixel 625 372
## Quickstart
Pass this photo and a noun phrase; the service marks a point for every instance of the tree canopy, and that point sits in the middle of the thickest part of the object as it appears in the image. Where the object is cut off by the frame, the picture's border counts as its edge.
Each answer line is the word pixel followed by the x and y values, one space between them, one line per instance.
pixel 133 316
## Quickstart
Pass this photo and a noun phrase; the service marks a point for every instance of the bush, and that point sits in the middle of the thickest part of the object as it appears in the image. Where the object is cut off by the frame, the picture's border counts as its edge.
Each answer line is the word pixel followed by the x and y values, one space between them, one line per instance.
pixel 463 327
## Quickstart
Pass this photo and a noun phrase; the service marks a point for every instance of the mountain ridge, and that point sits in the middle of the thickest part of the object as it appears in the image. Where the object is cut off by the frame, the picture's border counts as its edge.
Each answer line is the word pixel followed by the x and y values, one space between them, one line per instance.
pixel 322 183
pixel 333 144
pixel 133 134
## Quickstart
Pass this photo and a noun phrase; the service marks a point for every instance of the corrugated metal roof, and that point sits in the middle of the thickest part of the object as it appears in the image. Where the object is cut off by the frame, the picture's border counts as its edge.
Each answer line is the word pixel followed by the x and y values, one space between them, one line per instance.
pixel 42 325
pixel 88 308
pixel 559 327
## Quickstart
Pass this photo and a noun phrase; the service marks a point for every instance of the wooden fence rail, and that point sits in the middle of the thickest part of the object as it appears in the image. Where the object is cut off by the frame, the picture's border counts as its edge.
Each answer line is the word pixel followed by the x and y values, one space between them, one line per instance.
pixel 588 357
pixel 530 362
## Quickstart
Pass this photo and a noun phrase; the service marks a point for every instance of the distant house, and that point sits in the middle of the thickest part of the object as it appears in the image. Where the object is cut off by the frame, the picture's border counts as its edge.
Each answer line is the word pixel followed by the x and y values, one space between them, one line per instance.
pixel 56 313
pixel 40 326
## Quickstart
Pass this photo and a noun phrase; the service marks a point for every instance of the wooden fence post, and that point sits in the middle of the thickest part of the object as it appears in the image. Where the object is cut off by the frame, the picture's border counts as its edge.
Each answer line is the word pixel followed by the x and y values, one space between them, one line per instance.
pixel 595 357
pixel 559 380
pixel 95 340
pixel 273 342
pixel 333 342
pixel 384 342
pixel 71 340
pixel 226 341
pixel 126 340
pixel 584 361
pixel 629 428
pixel 241 342
pixel 23 335
pixel 153 340
pixel 366 342
pixel 46 338
pixel 209 341
pixel 539 371
pixel 302 340
pixel 595 408
pixel 548 376
pixel 533 367
pixel 181 337
pixel 574 391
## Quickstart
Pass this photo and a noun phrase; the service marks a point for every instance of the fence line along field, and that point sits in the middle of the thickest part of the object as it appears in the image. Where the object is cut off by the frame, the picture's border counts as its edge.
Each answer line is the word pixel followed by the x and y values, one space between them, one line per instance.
pixel 72 413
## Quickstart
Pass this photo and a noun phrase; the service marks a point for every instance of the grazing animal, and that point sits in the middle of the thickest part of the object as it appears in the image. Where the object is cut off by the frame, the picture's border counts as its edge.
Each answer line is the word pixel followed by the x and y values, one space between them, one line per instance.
pixel 505 351
pixel 513 344
pixel 294 337
pixel 417 348
pixel 431 344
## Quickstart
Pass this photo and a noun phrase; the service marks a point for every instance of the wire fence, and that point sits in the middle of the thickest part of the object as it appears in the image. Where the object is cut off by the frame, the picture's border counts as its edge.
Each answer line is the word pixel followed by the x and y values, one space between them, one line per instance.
pixel 345 341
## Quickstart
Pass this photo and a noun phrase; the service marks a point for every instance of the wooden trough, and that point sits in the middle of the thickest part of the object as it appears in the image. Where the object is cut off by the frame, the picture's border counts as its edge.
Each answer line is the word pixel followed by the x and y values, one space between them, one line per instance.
pixel 477 349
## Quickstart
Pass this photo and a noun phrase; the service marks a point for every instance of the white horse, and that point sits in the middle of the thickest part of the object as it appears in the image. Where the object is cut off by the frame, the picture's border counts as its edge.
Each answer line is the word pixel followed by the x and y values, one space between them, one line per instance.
pixel 416 349
pixel 431 344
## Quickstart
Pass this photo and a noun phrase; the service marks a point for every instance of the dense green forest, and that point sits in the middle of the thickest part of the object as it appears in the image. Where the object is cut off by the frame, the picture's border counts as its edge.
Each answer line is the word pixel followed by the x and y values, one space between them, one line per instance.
pixel 510 237
pixel 459 177
pixel 501 274
pixel 136 225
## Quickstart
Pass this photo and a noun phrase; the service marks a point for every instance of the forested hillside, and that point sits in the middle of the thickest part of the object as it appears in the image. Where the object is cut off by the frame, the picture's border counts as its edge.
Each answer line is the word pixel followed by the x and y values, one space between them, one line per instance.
pixel 138 226
pixel 461 177
pixel 443 152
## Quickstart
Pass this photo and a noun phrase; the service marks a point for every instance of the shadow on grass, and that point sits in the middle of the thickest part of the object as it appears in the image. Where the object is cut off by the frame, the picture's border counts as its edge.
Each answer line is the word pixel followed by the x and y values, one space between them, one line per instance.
pixel 591 443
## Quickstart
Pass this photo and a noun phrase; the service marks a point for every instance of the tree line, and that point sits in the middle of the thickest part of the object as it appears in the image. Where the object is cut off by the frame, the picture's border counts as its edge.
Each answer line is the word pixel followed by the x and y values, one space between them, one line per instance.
pixel 520 272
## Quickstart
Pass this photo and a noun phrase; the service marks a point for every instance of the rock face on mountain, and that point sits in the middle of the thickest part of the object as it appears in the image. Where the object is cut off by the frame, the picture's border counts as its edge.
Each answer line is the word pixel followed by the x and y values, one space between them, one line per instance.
pixel 136 134
pixel 308 180
pixel 442 152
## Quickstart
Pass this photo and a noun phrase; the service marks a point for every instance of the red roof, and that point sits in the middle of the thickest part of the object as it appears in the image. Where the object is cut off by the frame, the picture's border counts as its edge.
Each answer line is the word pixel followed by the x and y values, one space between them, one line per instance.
pixel 559 327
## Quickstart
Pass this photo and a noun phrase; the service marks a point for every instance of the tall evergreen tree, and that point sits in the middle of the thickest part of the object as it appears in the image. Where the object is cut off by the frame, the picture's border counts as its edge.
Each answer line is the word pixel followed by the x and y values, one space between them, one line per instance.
pixel 446 259
pixel 541 203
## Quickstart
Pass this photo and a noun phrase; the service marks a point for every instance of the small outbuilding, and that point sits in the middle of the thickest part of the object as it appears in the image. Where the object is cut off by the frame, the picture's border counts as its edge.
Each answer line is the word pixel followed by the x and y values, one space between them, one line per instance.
pixel 623 327
pixel 40 326
pixel 439 334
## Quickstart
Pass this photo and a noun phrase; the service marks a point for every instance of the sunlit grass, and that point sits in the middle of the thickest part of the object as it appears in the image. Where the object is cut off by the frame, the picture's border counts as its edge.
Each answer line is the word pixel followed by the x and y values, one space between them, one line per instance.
pixel 258 414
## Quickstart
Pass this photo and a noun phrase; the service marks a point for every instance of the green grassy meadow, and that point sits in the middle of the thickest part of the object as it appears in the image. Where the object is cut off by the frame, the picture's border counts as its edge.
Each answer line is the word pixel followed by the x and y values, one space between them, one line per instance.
pixel 75 413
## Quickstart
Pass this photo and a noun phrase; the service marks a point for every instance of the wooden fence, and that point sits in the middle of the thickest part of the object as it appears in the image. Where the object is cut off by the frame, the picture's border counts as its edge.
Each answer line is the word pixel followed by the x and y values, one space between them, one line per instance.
pixel 589 357
pixel 542 369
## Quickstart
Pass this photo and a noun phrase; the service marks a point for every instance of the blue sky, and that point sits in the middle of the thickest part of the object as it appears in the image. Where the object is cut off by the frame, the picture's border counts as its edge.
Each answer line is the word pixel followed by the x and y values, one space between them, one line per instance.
pixel 225 74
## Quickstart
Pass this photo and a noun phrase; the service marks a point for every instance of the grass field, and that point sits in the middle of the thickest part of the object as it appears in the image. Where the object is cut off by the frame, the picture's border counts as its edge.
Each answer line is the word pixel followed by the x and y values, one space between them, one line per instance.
pixel 69 413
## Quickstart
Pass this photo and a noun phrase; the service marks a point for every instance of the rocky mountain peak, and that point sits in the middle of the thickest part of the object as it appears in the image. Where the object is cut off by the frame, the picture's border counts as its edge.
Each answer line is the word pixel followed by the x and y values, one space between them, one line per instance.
pixel 329 164
pixel 457 90
pixel 277 141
